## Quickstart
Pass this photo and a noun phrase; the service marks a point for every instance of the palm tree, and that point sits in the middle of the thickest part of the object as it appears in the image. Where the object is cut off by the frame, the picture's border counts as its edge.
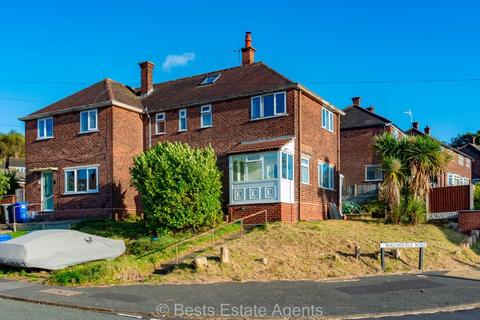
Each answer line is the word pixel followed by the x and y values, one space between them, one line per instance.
pixel 393 176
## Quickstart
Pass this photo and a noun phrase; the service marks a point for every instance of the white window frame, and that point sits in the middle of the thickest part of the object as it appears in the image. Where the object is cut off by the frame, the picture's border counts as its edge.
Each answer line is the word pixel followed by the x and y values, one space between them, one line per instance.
pixel 75 170
pixel 214 76
pixel 460 160
pixel 468 163
pixel 307 165
pixel 89 127
pixel 366 171
pixel 275 113
pixel 44 120
pixel 157 121
pixel 320 175
pixel 290 158
pixel 209 112
pixel 328 120
pixel 180 117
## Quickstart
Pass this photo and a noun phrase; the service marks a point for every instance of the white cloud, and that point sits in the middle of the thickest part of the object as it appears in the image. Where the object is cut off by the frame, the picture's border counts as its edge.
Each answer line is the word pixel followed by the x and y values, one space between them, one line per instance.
pixel 177 60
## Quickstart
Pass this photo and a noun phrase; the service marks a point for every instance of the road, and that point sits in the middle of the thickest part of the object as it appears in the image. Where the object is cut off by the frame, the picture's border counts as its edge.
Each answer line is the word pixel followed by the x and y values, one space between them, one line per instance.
pixel 458 315
pixel 15 310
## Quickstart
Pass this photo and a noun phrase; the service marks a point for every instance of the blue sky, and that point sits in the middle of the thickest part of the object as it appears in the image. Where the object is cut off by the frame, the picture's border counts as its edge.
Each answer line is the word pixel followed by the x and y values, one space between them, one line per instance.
pixel 339 49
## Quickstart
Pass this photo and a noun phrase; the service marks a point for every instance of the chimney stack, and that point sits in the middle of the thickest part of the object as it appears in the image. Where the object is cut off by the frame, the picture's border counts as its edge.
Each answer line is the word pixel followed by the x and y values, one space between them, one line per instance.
pixel 146 72
pixel 371 109
pixel 415 125
pixel 474 140
pixel 356 101
pixel 426 130
pixel 248 52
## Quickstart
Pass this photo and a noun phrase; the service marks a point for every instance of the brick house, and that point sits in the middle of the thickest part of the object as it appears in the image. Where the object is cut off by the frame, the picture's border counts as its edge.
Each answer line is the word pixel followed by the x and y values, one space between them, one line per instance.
pixel 277 143
pixel 360 164
pixel 459 169
pixel 473 150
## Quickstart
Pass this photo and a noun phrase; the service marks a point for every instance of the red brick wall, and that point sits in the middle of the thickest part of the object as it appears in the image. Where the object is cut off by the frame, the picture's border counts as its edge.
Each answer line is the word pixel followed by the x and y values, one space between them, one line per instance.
pixel 357 152
pixel 127 142
pixel 69 148
pixel 284 212
pixel 454 167
pixel 468 220
pixel 231 125
pixel 320 145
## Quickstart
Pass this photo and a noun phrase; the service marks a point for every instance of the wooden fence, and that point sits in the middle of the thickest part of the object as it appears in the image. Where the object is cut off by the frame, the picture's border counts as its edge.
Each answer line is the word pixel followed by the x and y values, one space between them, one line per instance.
pixel 449 199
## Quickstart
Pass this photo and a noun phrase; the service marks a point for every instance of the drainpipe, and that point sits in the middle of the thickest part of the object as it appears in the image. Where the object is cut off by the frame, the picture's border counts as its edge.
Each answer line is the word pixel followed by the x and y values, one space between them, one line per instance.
pixel 299 156
pixel 149 128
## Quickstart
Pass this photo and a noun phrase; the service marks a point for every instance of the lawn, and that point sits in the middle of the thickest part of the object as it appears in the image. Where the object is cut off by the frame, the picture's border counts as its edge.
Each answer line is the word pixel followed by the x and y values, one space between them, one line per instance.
pixel 321 250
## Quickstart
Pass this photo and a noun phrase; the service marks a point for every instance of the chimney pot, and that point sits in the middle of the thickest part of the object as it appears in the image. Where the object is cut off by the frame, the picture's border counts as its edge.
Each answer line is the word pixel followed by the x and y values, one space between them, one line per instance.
pixel 356 101
pixel 427 130
pixel 248 52
pixel 371 109
pixel 146 73
pixel 415 125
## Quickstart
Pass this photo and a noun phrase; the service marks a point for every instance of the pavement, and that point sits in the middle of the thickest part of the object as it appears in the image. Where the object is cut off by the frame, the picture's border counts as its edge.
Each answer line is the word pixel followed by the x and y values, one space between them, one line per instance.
pixel 391 295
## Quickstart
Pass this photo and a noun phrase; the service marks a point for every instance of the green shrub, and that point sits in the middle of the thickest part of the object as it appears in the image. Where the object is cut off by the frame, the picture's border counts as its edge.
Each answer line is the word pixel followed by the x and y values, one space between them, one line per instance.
pixel 375 206
pixel 180 187
pixel 4 183
pixel 476 197
pixel 411 210
pixel 349 207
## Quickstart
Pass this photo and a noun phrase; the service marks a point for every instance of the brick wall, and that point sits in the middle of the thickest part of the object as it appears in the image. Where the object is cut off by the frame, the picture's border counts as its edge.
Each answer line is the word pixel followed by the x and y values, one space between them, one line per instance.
pixel 454 167
pixel 69 148
pixel 318 144
pixel 468 220
pixel 357 152
pixel 284 212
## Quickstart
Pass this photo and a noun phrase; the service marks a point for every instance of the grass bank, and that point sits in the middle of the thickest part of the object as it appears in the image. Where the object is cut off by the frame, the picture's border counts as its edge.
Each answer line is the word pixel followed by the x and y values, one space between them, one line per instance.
pixel 320 250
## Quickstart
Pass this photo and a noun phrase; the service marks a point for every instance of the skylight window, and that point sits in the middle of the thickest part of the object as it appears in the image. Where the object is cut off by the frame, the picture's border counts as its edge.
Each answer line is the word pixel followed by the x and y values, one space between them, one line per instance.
pixel 210 79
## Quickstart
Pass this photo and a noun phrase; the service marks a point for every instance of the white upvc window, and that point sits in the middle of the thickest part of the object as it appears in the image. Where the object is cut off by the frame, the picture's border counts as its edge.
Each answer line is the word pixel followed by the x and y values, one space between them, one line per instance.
pixel 460 160
pixel 373 172
pixel 160 123
pixel 305 170
pixel 88 121
pixel 468 163
pixel 81 179
pixel 268 105
pixel 326 175
pixel 182 120
pixel 328 120
pixel 206 116
pixel 287 166
pixel 45 128
pixel 255 167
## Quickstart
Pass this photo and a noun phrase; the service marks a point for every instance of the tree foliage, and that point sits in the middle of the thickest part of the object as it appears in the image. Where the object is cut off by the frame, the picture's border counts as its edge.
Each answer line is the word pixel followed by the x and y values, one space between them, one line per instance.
pixel 408 164
pixel 4 185
pixel 180 186
pixel 465 138
pixel 12 144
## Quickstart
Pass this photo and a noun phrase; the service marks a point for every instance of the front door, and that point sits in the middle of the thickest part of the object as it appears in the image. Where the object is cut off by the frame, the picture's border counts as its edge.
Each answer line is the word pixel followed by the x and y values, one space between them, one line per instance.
pixel 47 191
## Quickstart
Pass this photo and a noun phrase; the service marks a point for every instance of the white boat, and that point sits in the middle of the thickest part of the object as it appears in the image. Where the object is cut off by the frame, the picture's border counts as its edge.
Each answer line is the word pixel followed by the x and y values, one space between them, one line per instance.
pixel 57 249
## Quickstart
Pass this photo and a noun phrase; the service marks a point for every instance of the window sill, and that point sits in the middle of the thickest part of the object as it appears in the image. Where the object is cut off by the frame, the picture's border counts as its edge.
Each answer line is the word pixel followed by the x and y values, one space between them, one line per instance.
pixel 326 129
pixel 79 193
pixel 374 180
pixel 89 131
pixel 306 183
pixel 182 130
pixel 328 189
pixel 42 139
pixel 271 117
pixel 205 127
pixel 159 134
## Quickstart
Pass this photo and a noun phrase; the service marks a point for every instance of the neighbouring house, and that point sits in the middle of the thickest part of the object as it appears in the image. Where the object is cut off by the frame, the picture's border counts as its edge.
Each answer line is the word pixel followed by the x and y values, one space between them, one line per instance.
pixel 360 164
pixel 473 150
pixel 459 169
pixel 277 143
pixel 18 166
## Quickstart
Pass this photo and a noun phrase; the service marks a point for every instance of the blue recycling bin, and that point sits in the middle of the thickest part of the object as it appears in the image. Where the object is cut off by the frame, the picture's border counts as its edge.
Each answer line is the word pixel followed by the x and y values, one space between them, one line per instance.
pixel 21 212
pixel 5 237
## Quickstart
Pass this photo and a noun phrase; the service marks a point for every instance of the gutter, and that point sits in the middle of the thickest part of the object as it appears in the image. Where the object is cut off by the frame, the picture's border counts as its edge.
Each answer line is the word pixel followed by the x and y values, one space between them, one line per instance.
pixel 103 104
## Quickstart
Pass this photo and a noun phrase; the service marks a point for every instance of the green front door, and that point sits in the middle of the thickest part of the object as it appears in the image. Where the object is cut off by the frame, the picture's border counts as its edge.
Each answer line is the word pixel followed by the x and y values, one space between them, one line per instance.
pixel 47 191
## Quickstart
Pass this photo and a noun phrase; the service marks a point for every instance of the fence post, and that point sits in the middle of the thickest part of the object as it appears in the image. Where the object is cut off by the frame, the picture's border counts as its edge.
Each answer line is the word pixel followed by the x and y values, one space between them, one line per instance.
pixel 266 219
pixel 211 237
pixel 420 259
pixel 241 228
pixel 382 258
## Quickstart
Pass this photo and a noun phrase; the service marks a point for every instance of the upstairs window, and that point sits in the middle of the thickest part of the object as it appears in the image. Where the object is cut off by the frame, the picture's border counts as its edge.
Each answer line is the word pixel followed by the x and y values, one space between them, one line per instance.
pixel 182 120
pixel 45 128
pixel 326 176
pixel 373 173
pixel 88 121
pixel 160 123
pixel 210 79
pixel 268 105
pixel 327 120
pixel 460 160
pixel 287 166
pixel 206 116
pixel 468 163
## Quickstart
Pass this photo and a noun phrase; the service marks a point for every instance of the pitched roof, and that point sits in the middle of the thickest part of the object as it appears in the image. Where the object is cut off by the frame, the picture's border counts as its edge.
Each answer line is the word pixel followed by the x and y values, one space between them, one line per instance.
pixel 16 162
pixel 472 150
pixel 358 117
pixel 246 147
pixel 233 82
pixel 416 132
pixel 102 91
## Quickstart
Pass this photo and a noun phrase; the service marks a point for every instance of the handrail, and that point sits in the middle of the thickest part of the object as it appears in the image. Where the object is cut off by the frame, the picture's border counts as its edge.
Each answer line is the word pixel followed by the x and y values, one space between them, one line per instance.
pixel 211 232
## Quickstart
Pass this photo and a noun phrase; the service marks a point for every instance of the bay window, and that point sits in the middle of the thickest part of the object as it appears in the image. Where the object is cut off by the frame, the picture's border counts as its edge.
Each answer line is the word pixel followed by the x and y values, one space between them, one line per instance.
pixel 287 166
pixel 255 167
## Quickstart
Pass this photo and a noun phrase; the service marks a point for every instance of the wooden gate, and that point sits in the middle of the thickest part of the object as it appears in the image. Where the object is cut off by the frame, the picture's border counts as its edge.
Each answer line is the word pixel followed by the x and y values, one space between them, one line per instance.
pixel 449 199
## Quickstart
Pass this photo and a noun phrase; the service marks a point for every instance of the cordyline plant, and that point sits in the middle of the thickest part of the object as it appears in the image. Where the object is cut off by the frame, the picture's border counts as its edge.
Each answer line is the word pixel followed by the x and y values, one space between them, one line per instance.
pixel 408 163
pixel 180 187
